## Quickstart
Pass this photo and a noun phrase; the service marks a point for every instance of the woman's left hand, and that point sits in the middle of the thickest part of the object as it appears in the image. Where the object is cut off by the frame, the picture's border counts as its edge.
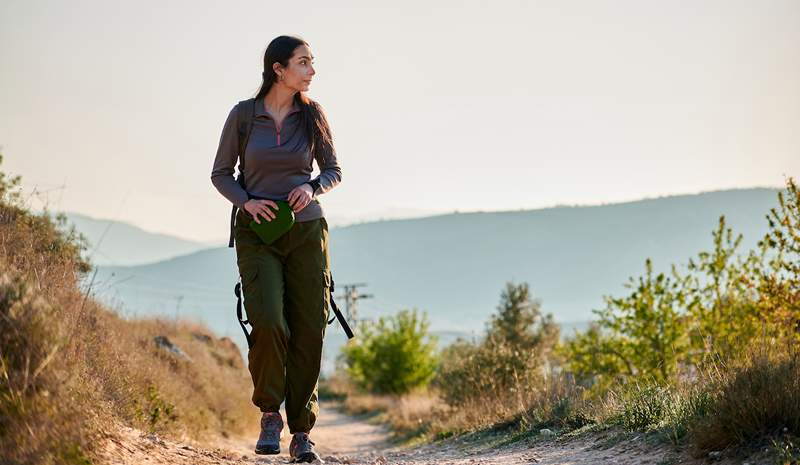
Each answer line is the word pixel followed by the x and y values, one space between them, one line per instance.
pixel 300 197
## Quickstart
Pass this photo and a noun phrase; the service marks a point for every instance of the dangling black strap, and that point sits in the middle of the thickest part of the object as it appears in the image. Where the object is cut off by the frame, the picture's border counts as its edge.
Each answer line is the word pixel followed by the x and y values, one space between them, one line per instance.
pixel 238 291
pixel 338 314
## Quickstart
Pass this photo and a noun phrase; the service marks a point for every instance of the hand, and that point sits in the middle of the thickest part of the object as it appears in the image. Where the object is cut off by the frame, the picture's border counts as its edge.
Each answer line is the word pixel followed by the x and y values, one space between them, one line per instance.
pixel 256 206
pixel 300 197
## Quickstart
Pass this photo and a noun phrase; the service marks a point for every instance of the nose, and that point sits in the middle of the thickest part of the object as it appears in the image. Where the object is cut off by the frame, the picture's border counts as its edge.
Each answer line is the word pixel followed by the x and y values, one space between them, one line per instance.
pixel 313 72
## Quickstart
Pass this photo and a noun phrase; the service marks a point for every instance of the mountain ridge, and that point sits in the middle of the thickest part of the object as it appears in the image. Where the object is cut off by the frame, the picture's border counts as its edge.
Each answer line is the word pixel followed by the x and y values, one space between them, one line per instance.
pixel 453 266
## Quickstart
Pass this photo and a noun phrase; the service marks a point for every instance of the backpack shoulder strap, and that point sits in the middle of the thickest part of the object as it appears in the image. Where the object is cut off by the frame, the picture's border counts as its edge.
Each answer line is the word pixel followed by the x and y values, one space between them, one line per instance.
pixel 245 112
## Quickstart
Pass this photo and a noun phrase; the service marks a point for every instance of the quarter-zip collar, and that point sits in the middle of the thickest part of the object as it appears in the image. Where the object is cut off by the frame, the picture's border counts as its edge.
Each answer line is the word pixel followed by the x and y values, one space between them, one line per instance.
pixel 261 111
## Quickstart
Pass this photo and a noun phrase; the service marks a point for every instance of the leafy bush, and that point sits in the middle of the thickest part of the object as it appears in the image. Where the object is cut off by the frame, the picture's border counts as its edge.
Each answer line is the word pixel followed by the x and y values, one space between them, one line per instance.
pixel 722 308
pixel 154 411
pixel 670 326
pixel 393 356
pixel 678 347
pixel 778 281
pixel 639 336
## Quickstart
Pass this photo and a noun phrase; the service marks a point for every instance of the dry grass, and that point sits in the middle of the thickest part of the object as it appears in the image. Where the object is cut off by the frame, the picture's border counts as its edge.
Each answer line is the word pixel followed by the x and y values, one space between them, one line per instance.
pixel 422 415
pixel 755 402
pixel 410 416
pixel 70 369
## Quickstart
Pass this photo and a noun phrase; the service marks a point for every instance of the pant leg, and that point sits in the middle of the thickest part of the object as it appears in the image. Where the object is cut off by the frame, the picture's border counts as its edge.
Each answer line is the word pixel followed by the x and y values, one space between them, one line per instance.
pixel 261 268
pixel 308 279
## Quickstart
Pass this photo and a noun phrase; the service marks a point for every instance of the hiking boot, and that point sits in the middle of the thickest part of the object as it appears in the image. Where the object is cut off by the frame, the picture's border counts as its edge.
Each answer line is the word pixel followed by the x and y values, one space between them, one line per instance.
pixel 302 449
pixel 269 441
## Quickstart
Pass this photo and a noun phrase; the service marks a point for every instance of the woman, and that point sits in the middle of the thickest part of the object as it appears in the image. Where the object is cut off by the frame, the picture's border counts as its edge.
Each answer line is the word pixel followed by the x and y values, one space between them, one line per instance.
pixel 285 284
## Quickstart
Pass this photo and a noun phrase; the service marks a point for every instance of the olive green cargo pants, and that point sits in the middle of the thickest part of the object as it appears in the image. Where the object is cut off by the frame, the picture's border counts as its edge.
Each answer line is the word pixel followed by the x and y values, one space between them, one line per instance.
pixel 286 297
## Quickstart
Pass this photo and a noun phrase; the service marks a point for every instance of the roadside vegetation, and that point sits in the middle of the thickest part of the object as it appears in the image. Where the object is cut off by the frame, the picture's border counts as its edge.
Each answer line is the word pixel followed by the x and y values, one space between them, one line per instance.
pixel 705 356
pixel 72 371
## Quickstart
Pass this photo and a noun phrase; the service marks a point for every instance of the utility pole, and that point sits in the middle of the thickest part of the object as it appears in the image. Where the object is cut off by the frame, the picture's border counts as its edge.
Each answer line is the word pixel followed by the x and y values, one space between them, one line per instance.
pixel 178 308
pixel 351 298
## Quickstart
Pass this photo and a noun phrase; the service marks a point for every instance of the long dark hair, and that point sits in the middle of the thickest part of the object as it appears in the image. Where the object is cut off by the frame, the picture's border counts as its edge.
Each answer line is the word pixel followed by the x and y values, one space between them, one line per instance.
pixel 313 119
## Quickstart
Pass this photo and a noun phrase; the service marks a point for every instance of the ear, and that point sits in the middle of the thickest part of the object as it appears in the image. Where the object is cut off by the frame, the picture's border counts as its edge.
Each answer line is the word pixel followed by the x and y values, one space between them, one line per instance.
pixel 277 67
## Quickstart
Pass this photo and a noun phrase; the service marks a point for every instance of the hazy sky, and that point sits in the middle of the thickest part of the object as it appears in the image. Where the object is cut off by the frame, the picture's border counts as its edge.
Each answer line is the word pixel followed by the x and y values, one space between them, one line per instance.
pixel 114 109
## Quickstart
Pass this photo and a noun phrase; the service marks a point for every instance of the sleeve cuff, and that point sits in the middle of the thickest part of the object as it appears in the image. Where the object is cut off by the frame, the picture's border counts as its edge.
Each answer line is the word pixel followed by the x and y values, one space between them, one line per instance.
pixel 314 185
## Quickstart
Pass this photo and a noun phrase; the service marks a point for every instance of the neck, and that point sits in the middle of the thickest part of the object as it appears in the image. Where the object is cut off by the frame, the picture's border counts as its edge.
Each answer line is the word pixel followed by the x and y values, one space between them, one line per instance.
pixel 279 98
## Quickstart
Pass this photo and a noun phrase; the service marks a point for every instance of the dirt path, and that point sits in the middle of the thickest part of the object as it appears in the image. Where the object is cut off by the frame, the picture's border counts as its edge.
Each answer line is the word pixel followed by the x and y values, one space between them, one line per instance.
pixel 344 439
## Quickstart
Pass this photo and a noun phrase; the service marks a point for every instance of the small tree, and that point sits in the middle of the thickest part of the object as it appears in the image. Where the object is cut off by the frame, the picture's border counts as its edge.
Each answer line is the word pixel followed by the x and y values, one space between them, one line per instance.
pixel 394 355
pixel 508 362
pixel 779 283
pixel 519 322
pixel 722 303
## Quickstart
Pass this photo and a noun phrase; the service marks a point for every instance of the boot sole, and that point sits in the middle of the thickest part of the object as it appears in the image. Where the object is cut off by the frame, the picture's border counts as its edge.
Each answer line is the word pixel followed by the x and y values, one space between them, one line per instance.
pixel 268 450
pixel 307 457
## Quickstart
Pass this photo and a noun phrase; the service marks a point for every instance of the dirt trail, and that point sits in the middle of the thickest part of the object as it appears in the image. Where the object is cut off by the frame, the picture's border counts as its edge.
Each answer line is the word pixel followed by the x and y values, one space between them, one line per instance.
pixel 343 439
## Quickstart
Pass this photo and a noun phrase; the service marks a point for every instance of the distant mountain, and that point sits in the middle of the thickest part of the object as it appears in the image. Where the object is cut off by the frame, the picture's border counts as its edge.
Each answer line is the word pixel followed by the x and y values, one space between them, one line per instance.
pixel 454 266
pixel 116 249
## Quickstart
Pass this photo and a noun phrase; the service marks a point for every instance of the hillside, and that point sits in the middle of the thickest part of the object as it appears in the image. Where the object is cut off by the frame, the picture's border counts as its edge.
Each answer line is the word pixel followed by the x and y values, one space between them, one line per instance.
pixel 110 240
pixel 73 370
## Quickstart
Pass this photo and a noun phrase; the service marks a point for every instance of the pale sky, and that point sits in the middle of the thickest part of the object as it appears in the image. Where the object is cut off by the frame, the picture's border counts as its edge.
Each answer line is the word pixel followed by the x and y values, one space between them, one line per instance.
pixel 114 109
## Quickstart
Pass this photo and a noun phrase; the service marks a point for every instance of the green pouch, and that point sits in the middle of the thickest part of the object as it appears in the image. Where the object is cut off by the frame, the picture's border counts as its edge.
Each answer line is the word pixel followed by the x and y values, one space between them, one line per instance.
pixel 270 231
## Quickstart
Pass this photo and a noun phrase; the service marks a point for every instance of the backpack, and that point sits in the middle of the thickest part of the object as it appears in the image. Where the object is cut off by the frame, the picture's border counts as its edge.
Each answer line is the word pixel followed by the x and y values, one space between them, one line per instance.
pixel 245 113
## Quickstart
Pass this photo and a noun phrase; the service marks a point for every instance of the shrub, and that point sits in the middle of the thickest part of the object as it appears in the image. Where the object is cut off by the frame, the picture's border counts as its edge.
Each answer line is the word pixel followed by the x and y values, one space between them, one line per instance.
pixel 393 356
pixel 493 368
pixel 664 408
pixel 778 282
pixel 72 370
pixel 724 317
pixel 757 399
pixel 35 413
pixel 509 361
pixel 639 336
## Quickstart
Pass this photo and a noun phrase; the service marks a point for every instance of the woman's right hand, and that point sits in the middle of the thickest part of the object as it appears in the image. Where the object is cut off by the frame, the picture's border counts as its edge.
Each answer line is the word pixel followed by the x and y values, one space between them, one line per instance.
pixel 256 206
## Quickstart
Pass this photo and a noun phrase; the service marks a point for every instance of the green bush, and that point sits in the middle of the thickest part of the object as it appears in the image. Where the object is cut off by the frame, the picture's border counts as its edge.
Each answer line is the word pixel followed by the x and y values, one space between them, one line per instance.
pixel 671 325
pixel 154 411
pixel 642 335
pixel 393 356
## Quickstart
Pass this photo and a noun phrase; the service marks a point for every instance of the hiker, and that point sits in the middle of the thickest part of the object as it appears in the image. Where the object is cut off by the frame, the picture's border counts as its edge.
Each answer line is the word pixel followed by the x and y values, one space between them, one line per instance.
pixel 286 284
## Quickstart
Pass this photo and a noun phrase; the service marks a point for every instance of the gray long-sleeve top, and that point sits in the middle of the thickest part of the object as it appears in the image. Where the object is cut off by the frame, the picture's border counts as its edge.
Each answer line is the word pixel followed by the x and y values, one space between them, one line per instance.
pixel 276 161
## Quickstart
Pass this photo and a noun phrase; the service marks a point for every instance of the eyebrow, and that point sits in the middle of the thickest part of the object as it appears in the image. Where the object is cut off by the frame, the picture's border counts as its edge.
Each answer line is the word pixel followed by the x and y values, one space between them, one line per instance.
pixel 310 58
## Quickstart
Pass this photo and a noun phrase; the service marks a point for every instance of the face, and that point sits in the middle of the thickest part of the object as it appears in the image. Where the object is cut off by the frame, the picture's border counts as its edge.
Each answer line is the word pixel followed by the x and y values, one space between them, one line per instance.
pixel 298 73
